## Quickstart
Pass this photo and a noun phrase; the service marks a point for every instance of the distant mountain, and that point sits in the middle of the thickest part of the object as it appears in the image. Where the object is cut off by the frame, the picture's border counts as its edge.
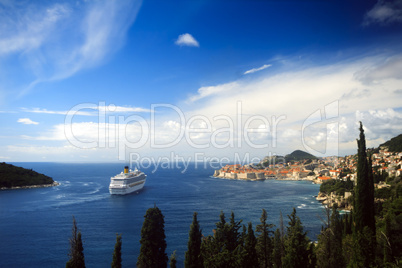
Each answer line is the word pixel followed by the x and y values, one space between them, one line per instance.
pixel 299 155
pixel 277 159
pixel 394 144
pixel 13 176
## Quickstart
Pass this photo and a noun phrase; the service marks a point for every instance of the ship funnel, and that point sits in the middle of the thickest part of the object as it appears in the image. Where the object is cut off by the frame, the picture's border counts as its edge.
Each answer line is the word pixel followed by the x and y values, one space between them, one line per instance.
pixel 126 169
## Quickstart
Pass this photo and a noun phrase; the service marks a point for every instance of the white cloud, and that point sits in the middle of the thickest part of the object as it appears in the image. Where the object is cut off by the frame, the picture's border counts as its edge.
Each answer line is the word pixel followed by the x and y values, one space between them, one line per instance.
pixel 364 84
pixel 27 121
pixel 108 109
pixel 284 99
pixel 388 68
pixel 31 30
pixel 187 40
pixel 384 12
pixel 265 66
pixel 55 41
pixel 204 92
pixel 123 109
pixel 45 111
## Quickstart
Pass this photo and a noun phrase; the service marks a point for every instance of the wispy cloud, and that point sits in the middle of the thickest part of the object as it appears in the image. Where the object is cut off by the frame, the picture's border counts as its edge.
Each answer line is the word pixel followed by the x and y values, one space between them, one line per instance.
pixel 22 34
pixel 55 41
pixel 88 112
pixel 187 40
pixel 204 92
pixel 265 66
pixel 27 121
pixel 384 12
pixel 45 111
pixel 123 109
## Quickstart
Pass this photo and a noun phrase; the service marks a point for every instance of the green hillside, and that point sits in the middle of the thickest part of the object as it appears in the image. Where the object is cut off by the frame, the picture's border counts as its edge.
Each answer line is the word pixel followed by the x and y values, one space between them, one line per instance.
pixel 299 155
pixel 12 176
pixel 394 144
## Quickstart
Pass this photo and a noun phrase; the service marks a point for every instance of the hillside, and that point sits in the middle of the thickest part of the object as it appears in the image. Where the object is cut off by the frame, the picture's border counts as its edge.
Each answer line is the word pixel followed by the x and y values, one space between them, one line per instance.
pixel 13 176
pixel 299 155
pixel 394 144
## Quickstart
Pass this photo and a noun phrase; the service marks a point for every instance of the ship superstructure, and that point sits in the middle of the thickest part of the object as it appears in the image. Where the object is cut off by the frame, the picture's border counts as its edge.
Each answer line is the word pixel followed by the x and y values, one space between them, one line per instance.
pixel 127 182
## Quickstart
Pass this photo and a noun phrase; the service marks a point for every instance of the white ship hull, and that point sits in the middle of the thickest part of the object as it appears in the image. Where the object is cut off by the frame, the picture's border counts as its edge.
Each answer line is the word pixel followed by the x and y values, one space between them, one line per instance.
pixel 127 183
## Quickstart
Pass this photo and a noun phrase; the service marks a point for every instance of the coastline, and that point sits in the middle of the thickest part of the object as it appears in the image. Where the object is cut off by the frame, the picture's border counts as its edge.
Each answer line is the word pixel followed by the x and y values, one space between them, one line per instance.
pixel 55 183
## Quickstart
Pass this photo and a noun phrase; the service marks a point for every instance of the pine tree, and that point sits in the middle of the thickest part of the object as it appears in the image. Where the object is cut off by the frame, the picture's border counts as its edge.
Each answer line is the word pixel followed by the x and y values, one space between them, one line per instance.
pixel 223 249
pixel 76 253
pixel 297 245
pixel 173 260
pixel 233 234
pixel 264 242
pixel 153 244
pixel 363 213
pixel 329 251
pixel 278 250
pixel 250 259
pixel 116 263
pixel 193 256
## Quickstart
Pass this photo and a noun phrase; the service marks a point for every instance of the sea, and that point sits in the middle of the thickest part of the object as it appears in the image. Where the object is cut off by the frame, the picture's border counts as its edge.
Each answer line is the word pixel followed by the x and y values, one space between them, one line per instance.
pixel 35 224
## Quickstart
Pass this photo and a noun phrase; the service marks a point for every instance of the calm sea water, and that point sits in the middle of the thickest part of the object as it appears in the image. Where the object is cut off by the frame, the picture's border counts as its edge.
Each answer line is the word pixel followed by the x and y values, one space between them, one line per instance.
pixel 35 224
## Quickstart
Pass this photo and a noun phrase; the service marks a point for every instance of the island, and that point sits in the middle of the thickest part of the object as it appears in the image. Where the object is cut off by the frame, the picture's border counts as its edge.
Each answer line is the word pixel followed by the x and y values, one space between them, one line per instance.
pixel 13 177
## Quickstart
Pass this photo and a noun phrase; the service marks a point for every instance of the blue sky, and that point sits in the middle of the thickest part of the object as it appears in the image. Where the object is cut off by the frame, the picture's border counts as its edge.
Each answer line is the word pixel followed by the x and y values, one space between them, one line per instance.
pixel 159 77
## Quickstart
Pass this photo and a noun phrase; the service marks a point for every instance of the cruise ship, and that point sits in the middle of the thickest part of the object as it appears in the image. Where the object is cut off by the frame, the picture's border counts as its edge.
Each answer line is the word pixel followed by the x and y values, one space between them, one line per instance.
pixel 126 182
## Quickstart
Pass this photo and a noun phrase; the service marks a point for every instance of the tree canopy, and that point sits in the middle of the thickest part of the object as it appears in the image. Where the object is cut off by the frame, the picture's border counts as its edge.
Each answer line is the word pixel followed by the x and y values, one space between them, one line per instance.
pixel 13 176
pixel 153 243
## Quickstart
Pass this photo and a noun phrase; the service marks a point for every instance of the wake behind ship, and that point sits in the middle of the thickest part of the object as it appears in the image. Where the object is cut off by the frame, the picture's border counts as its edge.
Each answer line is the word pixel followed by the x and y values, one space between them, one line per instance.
pixel 127 182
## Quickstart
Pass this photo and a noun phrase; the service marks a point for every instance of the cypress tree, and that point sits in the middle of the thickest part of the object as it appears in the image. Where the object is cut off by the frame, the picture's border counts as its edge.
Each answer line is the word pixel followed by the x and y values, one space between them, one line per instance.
pixel 76 253
pixel 153 244
pixel 264 242
pixel 193 256
pixel 363 213
pixel 364 190
pixel 116 263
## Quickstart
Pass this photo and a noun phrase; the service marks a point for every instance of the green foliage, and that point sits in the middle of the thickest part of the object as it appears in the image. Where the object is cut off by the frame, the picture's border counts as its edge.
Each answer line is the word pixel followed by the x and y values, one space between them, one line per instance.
pixel 299 155
pixel 394 144
pixel 173 260
pixel 329 249
pixel 297 245
pixel 264 242
pixel 364 221
pixel 12 176
pixel 153 244
pixel 76 253
pixel 116 263
pixel 383 193
pixel 193 256
pixel 390 228
pixel 278 251
pixel 250 258
pixel 224 248
pixel 337 186
pixel 380 176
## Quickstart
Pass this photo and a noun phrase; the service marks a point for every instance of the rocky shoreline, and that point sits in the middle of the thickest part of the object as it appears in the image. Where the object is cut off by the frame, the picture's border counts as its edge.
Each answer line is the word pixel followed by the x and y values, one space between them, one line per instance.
pixel 31 186
pixel 342 202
